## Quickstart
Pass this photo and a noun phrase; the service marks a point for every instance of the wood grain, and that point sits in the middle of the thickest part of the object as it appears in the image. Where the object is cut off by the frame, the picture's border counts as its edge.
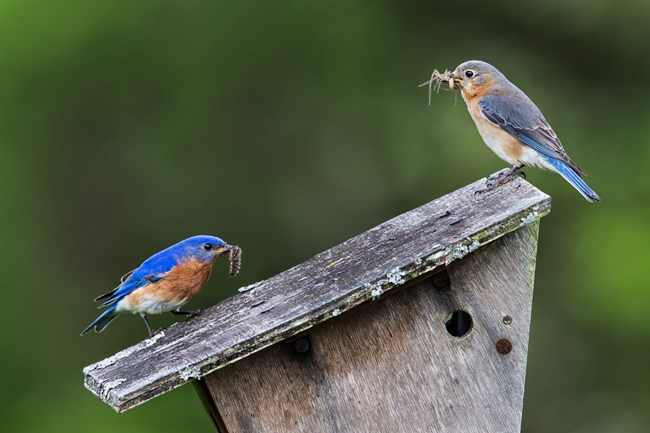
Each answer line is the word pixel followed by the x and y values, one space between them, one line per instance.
pixel 393 367
pixel 359 271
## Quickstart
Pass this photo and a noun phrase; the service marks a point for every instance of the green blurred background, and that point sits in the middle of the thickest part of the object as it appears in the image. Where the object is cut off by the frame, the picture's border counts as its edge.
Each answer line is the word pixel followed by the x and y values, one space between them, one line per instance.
pixel 287 127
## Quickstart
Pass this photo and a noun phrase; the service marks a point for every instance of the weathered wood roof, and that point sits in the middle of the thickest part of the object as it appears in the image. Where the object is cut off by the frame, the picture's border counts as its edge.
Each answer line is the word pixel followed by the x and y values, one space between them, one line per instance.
pixel 362 269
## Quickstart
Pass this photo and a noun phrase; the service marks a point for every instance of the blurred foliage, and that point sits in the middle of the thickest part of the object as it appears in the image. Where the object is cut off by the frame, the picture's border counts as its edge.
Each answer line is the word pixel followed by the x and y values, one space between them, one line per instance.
pixel 287 127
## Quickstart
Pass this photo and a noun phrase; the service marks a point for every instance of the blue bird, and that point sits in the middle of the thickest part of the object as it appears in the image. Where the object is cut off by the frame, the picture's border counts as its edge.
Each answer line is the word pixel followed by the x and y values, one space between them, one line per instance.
pixel 512 125
pixel 165 281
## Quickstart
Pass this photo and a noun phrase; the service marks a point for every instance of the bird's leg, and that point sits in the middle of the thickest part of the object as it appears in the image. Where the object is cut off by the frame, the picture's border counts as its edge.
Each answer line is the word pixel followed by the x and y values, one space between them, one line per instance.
pixel 188 314
pixel 146 322
pixel 520 173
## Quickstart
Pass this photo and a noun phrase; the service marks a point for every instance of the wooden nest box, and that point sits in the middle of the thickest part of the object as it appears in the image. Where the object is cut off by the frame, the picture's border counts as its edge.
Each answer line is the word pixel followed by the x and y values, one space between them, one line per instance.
pixel 417 325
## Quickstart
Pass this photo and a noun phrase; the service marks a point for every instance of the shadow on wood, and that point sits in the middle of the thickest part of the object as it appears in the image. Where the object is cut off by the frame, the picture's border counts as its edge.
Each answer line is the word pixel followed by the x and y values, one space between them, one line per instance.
pixel 322 347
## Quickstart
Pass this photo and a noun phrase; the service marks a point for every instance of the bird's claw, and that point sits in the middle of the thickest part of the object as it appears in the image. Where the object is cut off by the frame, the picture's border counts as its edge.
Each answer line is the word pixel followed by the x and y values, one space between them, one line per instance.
pixel 192 314
pixel 501 177
pixel 155 332
pixel 188 314
pixel 498 178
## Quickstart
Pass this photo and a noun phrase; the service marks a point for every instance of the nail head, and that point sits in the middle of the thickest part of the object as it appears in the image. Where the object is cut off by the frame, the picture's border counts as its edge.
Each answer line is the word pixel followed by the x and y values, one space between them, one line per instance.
pixel 504 346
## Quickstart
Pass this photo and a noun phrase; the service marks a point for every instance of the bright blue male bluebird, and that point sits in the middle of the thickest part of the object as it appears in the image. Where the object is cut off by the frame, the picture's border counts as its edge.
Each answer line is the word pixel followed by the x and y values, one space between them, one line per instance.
pixel 512 125
pixel 165 281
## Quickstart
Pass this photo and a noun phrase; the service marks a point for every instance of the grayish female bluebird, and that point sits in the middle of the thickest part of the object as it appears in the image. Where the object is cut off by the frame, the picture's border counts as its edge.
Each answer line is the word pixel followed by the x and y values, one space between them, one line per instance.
pixel 512 125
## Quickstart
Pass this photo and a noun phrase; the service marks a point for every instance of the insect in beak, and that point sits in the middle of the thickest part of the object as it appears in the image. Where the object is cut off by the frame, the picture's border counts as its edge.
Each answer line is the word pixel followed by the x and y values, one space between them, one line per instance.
pixel 436 80
pixel 235 259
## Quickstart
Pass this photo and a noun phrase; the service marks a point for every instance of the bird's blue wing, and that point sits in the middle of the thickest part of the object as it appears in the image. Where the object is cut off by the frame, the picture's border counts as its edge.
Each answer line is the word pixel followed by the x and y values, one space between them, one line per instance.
pixel 519 117
pixel 151 270
pixel 129 286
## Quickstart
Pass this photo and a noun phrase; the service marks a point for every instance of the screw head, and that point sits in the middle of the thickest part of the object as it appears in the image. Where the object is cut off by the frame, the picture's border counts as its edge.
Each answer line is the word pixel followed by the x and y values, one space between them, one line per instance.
pixel 504 346
pixel 441 280
pixel 301 345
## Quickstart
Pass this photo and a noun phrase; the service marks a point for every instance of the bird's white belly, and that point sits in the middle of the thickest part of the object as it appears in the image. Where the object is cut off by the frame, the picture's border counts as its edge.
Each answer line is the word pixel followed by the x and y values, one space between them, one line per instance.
pixel 532 158
pixel 148 305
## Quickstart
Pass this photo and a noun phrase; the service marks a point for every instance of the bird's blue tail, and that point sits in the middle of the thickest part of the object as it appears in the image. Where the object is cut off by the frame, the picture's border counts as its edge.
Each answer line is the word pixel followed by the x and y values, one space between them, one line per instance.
pixel 104 319
pixel 573 178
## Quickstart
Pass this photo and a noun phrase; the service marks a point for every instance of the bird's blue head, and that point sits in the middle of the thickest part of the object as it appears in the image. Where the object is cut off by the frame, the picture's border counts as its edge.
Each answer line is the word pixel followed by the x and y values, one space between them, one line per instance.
pixel 204 248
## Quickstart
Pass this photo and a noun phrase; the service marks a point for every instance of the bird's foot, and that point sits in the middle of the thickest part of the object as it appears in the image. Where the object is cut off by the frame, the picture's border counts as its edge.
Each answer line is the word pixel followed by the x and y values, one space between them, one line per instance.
pixel 195 313
pixel 187 314
pixel 500 178
pixel 153 333
pixel 503 176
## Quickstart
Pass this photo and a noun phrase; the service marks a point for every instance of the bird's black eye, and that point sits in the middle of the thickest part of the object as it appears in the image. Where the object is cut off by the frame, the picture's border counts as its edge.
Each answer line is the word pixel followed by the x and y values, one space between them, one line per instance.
pixel 207 247
pixel 469 74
